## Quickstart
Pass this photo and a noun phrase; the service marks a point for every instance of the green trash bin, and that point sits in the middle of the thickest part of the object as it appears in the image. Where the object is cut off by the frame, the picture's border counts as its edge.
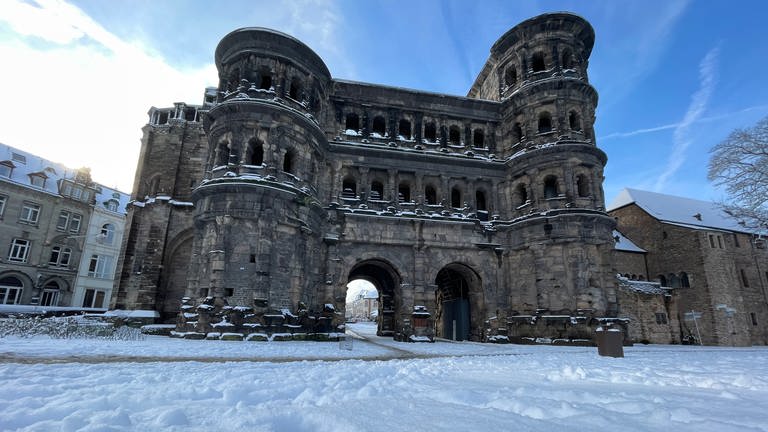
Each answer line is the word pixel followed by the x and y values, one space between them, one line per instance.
pixel 610 342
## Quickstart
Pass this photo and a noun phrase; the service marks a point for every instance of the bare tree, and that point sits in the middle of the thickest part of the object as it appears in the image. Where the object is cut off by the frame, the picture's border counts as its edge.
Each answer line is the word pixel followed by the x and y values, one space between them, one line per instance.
pixel 740 165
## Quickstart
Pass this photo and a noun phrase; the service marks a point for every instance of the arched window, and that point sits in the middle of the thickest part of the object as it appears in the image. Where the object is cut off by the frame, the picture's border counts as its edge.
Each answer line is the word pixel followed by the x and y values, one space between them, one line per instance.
pixel 377 190
pixel 107 233
pixel 550 187
pixel 480 201
pixel 294 92
pixel 517 133
pixel 50 295
pixel 430 132
pixel 582 185
pixel 567 59
pixel 545 122
pixel 404 129
pixel 478 138
pixel 288 162
pixel 430 195
pixel 522 193
pixel 662 280
pixel 574 121
pixel 222 153
pixel 673 280
pixel 352 122
pixel 349 188
pixel 10 290
pixel 455 198
pixel 684 281
pixel 266 81
pixel 538 61
pixel 454 135
pixel 254 154
pixel 404 193
pixel 510 76
pixel 379 126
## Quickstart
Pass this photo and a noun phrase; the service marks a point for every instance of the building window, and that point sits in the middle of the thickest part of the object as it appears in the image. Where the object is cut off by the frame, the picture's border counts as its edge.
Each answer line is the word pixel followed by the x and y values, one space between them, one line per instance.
pixel 377 190
pixel 510 76
pixel 711 241
pixel 404 129
pixel 30 213
pixel 582 186
pixel 266 81
pixel 430 195
pixel 19 250
pixel 538 62
pixel 403 193
pixel 574 121
pixel 50 295
pixel 254 152
pixel 349 188
pixel 37 180
pixel 545 122
pixel 662 280
pixel 3 198
pixel 522 194
pixel 455 198
pixel 744 280
pixel 63 221
pixel 10 290
pixel 93 298
pixel 352 123
pixel 517 133
pixel 661 318
pixel 454 135
pixel 288 162
pixel 567 62
pixel 480 201
pixel 736 240
pixel 74 223
pixel 60 256
pixel 295 91
pixel 379 126
pixel 6 168
pixel 100 266
pixel 107 233
pixel 112 205
pixel 753 317
pixel 550 187
pixel 478 139
pixel 720 241
pixel 430 132
pixel 684 282
pixel 222 153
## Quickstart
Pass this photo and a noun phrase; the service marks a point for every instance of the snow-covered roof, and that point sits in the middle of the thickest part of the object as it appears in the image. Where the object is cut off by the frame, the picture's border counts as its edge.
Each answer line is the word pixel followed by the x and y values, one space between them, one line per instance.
pixel 625 244
pixel 687 212
pixel 25 164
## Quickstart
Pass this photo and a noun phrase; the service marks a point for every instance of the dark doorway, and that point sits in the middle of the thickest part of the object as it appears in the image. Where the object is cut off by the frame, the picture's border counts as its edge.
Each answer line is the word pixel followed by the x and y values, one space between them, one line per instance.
pixel 454 320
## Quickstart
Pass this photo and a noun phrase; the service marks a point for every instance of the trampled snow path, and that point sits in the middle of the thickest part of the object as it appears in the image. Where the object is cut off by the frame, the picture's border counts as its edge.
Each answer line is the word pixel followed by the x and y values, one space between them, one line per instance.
pixel 500 388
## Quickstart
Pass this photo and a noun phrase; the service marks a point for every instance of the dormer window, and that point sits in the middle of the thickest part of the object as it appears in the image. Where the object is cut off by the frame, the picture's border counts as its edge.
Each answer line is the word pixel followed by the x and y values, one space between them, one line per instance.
pixel 6 168
pixel 112 205
pixel 38 179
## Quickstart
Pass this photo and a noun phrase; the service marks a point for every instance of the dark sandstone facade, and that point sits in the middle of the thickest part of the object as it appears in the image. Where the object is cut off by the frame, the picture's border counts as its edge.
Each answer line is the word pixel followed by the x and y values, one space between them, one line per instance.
pixel 478 217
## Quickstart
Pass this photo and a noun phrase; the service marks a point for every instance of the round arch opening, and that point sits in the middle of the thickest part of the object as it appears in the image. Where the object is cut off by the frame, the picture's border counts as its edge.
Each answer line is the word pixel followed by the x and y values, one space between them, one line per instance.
pixel 458 298
pixel 386 281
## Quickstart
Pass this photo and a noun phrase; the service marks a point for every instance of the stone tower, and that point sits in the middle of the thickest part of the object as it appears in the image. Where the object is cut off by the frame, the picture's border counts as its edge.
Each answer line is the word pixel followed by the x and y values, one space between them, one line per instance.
pixel 478 217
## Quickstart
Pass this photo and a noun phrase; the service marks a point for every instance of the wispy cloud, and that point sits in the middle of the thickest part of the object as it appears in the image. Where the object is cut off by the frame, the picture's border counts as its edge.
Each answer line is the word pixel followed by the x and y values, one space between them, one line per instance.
pixel 662 128
pixel 699 101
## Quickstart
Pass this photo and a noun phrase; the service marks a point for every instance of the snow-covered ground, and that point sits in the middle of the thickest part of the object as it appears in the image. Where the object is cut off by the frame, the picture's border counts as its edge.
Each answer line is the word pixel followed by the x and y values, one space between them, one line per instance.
pixel 155 384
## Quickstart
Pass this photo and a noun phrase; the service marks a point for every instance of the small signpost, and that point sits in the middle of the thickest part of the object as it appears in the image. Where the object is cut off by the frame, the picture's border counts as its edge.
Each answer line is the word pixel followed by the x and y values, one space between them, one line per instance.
pixel 345 343
pixel 693 316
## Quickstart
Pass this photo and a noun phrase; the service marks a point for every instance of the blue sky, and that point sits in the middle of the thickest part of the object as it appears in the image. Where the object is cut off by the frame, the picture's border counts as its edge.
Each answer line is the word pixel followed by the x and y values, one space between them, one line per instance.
pixel 674 77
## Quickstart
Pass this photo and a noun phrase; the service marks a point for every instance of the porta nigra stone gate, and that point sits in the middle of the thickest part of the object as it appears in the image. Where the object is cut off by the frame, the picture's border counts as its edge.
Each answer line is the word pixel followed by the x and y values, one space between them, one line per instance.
pixel 478 217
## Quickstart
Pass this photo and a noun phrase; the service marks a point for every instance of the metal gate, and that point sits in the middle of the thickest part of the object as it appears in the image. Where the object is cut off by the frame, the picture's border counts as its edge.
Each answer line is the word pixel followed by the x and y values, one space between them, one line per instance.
pixel 456 319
